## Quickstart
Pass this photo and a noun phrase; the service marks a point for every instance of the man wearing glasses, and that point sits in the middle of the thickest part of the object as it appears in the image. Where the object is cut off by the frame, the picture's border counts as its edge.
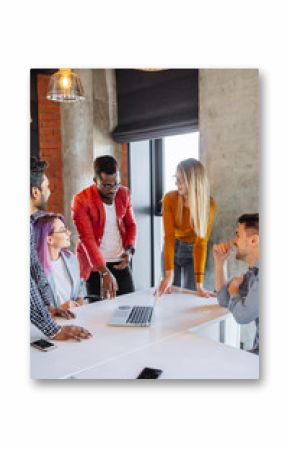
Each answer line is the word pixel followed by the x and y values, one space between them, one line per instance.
pixel 104 219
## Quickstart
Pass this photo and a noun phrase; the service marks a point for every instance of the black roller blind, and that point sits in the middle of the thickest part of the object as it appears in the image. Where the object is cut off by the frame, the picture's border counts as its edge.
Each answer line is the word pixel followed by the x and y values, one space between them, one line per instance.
pixel 155 104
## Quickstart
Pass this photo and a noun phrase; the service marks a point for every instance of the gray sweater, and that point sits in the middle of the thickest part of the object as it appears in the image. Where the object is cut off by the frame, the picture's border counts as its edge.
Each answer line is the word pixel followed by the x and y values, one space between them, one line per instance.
pixel 245 305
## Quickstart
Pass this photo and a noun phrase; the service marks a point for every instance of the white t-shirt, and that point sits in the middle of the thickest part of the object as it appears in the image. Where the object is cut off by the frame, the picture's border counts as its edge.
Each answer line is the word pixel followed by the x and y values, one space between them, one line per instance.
pixel 111 244
pixel 62 280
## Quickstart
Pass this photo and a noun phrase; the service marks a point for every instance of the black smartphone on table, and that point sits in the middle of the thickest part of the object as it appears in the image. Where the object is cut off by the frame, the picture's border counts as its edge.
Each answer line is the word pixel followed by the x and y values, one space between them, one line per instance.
pixel 92 298
pixel 43 345
pixel 150 373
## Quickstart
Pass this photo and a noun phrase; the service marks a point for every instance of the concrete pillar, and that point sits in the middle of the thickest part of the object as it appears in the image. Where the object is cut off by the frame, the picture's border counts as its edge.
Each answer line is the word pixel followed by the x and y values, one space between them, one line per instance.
pixel 229 148
pixel 86 133
pixel 105 114
pixel 77 144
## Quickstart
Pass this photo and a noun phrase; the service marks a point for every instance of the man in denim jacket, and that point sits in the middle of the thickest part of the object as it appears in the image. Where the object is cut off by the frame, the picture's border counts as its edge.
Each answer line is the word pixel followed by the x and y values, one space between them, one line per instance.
pixel 241 294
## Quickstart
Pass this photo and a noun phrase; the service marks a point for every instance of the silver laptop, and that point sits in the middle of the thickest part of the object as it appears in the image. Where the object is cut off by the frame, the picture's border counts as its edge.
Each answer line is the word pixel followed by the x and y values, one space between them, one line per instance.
pixel 126 315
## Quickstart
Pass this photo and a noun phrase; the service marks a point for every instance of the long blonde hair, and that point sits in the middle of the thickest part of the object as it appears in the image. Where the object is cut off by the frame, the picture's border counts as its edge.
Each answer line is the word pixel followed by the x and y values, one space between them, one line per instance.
pixel 198 191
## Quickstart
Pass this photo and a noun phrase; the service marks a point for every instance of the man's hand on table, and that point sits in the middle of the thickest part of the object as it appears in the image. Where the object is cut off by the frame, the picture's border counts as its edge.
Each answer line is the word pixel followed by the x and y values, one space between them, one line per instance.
pixel 62 313
pixel 109 285
pixel 72 303
pixel 72 332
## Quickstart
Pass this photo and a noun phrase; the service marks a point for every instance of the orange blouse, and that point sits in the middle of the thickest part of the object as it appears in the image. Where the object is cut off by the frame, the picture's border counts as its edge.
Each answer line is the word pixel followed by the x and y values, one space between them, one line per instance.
pixel 186 233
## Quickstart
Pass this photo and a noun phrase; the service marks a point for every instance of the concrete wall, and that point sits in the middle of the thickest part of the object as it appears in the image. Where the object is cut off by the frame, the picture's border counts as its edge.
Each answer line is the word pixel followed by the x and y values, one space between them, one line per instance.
pixel 85 129
pixel 105 113
pixel 229 148
pixel 229 142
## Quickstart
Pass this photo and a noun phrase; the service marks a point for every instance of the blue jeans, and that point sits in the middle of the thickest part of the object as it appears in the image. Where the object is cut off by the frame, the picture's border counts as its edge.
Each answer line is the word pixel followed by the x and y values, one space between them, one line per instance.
pixel 183 265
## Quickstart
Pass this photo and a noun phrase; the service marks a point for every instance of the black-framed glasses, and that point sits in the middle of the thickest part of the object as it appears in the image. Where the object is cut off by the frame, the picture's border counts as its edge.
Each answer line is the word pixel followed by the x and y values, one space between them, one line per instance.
pixel 61 231
pixel 108 186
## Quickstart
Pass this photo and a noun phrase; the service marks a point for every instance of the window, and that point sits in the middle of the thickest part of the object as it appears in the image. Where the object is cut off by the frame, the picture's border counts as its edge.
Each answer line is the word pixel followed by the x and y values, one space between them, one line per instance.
pixel 166 153
pixel 176 149
pixel 152 165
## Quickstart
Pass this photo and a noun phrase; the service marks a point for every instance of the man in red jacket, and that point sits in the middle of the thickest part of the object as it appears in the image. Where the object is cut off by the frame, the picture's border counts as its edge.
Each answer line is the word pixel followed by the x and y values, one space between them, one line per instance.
pixel 104 219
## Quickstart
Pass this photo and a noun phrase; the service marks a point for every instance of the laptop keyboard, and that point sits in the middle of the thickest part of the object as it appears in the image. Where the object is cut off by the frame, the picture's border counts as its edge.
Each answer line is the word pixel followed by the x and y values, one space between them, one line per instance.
pixel 140 315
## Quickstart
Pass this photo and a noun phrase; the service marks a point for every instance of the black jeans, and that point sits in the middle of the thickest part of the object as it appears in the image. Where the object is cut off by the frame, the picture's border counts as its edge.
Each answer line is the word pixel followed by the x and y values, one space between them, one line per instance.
pixel 123 277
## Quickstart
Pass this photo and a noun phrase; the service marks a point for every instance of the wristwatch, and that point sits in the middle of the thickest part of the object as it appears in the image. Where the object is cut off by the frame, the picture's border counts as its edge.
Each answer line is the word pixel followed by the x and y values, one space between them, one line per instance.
pixel 130 250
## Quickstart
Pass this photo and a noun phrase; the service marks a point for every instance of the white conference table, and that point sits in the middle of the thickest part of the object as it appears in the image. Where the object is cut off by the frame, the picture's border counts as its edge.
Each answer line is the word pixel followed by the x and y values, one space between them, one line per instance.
pixel 184 356
pixel 174 314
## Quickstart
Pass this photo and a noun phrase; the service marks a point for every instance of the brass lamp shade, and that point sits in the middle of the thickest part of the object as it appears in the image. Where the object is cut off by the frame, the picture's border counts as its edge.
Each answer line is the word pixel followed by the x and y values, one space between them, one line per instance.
pixel 65 86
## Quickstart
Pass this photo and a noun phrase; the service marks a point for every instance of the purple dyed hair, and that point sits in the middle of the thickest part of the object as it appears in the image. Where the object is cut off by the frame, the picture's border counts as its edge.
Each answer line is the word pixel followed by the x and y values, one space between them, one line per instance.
pixel 43 227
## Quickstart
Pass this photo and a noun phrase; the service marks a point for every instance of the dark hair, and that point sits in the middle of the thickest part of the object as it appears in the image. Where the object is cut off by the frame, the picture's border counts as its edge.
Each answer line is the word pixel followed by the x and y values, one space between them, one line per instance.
pixel 37 169
pixel 105 164
pixel 251 221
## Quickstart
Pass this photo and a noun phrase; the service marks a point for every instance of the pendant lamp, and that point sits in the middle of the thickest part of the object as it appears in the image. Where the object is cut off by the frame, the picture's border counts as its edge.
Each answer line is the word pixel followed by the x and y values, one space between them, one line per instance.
pixel 65 86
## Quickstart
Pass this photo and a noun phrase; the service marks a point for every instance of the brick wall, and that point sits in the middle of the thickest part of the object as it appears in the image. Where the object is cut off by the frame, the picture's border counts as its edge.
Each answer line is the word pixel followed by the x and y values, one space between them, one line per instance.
pixel 49 128
pixel 124 165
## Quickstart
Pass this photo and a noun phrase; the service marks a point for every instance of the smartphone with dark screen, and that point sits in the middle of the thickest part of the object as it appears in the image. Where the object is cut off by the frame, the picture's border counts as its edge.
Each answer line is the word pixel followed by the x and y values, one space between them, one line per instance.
pixel 43 345
pixel 150 373
pixel 92 298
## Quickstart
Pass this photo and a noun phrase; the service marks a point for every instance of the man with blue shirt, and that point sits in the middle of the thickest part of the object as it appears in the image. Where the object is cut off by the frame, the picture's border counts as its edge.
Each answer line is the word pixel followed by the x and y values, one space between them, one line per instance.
pixel 241 294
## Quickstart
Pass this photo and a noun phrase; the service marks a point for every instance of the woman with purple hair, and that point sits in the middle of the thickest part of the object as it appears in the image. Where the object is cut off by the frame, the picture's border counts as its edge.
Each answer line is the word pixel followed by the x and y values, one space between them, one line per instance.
pixel 52 238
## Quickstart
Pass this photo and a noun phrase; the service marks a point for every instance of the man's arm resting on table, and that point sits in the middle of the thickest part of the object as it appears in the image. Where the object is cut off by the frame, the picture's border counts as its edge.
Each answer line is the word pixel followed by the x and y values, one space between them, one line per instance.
pixel 71 332
pixel 39 315
pixel 42 319
pixel 246 309
pixel 223 296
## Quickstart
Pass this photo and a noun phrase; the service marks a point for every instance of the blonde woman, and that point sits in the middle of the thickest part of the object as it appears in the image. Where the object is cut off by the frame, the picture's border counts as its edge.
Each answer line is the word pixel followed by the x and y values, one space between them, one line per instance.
pixel 188 215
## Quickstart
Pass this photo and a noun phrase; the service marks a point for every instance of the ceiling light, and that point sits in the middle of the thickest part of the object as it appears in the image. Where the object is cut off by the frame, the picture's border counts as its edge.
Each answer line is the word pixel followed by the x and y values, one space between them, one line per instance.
pixel 65 86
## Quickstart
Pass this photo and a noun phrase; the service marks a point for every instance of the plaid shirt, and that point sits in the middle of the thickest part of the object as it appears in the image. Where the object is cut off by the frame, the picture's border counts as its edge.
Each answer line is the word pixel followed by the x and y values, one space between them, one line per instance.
pixel 40 293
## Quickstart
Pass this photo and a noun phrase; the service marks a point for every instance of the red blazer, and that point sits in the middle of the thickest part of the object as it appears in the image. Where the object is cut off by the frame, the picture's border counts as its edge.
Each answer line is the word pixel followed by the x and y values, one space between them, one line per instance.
pixel 88 214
